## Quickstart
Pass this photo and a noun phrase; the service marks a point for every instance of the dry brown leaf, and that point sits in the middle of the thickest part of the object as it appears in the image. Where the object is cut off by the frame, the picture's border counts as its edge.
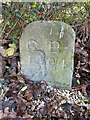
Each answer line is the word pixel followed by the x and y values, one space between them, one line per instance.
pixel 1 66
pixel 2 52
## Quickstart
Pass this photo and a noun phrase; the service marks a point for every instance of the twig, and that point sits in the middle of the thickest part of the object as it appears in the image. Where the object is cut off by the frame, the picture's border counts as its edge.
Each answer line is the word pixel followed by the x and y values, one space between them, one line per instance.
pixel 3 28
pixel 14 25
pixel 16 22
pixel 79 24
pixel 76 88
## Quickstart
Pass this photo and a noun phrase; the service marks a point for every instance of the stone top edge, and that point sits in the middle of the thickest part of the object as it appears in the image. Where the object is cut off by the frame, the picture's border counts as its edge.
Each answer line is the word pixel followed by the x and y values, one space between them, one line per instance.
pixel 44 21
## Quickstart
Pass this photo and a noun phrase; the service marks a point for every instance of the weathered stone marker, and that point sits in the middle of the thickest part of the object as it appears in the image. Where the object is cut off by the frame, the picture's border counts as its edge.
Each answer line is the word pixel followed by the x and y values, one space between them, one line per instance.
pixel 46 52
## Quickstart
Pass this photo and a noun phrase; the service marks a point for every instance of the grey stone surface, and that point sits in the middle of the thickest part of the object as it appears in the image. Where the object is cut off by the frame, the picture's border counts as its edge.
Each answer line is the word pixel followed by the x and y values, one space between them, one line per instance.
pixel 46 53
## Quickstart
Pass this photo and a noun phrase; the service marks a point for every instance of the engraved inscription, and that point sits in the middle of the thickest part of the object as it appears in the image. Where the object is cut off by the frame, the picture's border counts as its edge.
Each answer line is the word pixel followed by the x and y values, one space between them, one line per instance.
pixel 52 61
pixel 46 53
pixel 61 32
pixel 54 46
pixel 32 44
pixel 37 61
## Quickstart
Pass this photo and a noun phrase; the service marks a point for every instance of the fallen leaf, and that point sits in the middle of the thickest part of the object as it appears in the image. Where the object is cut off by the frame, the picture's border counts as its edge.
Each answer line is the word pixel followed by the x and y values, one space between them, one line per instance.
pixel 23 107
pixel 1 20
pixel 10 51
pixel 29 95
pixel 66 106
pixel 86 100
pixel 28 117
pixel 2 52
pixel 78 81
pixel 24 88
pixel 1 66
pixel 12 115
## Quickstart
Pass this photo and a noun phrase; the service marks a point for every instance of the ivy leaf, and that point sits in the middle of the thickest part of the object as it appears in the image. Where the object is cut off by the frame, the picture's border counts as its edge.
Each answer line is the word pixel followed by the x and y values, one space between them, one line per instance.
pixel 34 5
pixel 12 45
pixel 9 51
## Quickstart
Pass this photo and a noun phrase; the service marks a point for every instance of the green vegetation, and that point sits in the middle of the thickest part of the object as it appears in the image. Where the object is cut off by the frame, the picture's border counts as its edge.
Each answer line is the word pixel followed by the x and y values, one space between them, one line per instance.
pixel 17 16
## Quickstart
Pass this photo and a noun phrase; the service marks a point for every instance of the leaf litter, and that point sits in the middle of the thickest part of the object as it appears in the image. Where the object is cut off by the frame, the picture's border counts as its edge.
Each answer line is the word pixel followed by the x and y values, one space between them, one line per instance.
pixel 23 99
